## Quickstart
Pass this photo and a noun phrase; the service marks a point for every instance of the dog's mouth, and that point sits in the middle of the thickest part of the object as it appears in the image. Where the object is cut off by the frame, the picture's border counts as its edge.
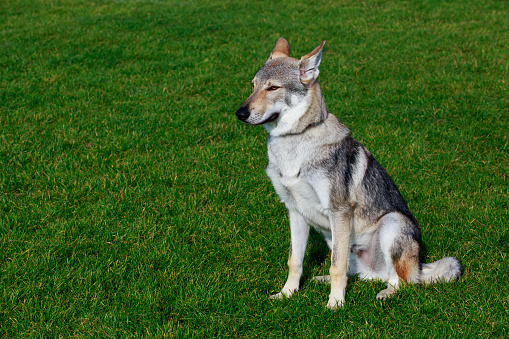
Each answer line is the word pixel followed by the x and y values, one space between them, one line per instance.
pixel 272 118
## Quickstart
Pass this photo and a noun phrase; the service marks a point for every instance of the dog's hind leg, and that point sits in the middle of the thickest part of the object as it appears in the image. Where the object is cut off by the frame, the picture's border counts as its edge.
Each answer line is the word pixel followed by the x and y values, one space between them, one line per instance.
pixel 299 230
pixel 400 251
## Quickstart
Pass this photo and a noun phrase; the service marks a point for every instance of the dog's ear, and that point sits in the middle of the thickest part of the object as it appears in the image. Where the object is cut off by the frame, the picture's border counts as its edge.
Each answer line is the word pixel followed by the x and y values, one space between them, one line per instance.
pixel 309 65
pixel 281 50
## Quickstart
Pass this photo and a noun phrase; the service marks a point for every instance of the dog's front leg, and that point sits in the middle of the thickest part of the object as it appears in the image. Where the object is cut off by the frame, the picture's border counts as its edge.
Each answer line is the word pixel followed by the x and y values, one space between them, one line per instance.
pixel 299 230
pixel 341 227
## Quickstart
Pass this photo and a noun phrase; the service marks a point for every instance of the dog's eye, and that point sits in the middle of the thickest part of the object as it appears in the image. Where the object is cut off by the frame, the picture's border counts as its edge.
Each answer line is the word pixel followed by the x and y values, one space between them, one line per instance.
pixel 272 88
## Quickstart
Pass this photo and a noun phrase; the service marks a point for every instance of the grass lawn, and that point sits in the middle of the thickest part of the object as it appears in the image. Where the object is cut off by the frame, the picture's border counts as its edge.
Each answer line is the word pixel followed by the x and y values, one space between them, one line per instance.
pixel 134 204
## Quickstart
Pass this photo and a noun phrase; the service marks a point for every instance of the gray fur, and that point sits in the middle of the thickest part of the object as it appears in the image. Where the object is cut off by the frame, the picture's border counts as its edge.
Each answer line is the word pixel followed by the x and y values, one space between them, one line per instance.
pixel 329 181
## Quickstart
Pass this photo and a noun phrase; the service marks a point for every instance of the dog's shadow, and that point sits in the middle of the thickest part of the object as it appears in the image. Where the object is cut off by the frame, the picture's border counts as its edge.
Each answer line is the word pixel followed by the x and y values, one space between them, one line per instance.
pixel 318 253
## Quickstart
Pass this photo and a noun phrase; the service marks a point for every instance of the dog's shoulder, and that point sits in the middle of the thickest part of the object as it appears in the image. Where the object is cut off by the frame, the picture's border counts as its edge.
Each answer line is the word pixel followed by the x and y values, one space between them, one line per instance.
pixel 334 130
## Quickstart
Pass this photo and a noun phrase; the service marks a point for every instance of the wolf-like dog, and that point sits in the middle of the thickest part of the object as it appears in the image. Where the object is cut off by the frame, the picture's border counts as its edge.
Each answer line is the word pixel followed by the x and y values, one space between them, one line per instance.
pixel 329 181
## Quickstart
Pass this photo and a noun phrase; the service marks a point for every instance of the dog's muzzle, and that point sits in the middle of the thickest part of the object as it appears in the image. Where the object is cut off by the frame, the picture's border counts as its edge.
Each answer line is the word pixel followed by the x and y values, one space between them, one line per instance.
pixel 242 113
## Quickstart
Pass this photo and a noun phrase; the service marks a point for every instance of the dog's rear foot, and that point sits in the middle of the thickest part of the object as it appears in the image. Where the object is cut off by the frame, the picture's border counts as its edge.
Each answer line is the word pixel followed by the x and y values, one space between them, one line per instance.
pixel 384 294
pixel 322 279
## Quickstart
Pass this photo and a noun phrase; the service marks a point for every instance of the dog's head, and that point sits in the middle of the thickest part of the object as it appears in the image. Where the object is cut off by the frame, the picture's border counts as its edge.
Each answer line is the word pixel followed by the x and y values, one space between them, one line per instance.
pixel 280 85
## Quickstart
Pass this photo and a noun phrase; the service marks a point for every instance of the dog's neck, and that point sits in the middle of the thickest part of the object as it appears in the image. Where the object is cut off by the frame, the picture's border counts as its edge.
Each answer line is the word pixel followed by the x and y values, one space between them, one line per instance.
pixel 309 112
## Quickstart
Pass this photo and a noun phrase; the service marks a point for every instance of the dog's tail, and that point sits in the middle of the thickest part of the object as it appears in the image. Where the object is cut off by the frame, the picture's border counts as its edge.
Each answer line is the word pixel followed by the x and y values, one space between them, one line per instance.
pixel 444 270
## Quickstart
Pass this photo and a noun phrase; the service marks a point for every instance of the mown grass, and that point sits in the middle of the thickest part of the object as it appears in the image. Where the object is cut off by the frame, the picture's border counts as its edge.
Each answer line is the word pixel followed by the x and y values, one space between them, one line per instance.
pixel 134 204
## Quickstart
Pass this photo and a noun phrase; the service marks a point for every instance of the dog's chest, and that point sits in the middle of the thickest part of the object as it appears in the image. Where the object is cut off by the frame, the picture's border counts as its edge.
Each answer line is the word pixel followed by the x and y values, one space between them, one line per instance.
pixel 289 171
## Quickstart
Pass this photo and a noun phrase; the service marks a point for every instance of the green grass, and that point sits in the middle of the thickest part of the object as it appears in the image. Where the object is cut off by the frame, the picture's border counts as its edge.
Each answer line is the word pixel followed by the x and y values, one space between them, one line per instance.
pixel 134 204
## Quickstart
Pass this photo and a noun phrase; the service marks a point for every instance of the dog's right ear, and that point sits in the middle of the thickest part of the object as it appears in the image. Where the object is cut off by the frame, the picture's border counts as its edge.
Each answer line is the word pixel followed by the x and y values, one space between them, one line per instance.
pixel 281 50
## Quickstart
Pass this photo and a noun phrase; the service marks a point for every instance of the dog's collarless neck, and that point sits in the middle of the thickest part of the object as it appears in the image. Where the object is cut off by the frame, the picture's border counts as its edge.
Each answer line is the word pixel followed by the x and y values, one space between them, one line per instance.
pixel 308 127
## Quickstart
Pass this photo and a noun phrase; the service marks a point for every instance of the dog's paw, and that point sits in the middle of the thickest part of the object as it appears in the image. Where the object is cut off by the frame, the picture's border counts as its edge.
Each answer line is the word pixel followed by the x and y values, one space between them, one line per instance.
pixel 334 303
pixel 281 295
pixel 384 294
pixel 277 296
pixel 322 279
pixel 285 293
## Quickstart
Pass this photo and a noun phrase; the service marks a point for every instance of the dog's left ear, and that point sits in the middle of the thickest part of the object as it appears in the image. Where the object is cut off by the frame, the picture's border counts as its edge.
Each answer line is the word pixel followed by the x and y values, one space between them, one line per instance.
pixel 309 65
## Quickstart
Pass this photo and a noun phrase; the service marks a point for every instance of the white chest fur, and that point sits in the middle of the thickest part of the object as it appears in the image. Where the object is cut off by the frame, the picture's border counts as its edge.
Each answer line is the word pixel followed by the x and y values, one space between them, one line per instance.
pixel 299 188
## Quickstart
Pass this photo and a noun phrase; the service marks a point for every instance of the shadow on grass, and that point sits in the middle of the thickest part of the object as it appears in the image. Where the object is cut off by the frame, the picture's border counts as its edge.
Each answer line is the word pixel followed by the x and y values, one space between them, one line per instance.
pixel 317 255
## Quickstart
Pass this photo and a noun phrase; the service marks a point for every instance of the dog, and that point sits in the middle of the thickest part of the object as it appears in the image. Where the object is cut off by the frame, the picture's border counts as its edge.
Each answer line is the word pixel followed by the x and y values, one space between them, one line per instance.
pixel 329 181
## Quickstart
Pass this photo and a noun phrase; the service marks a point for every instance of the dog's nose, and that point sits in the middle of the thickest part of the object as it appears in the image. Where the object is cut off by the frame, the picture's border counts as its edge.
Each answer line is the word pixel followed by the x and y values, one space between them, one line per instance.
pixel 242 113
